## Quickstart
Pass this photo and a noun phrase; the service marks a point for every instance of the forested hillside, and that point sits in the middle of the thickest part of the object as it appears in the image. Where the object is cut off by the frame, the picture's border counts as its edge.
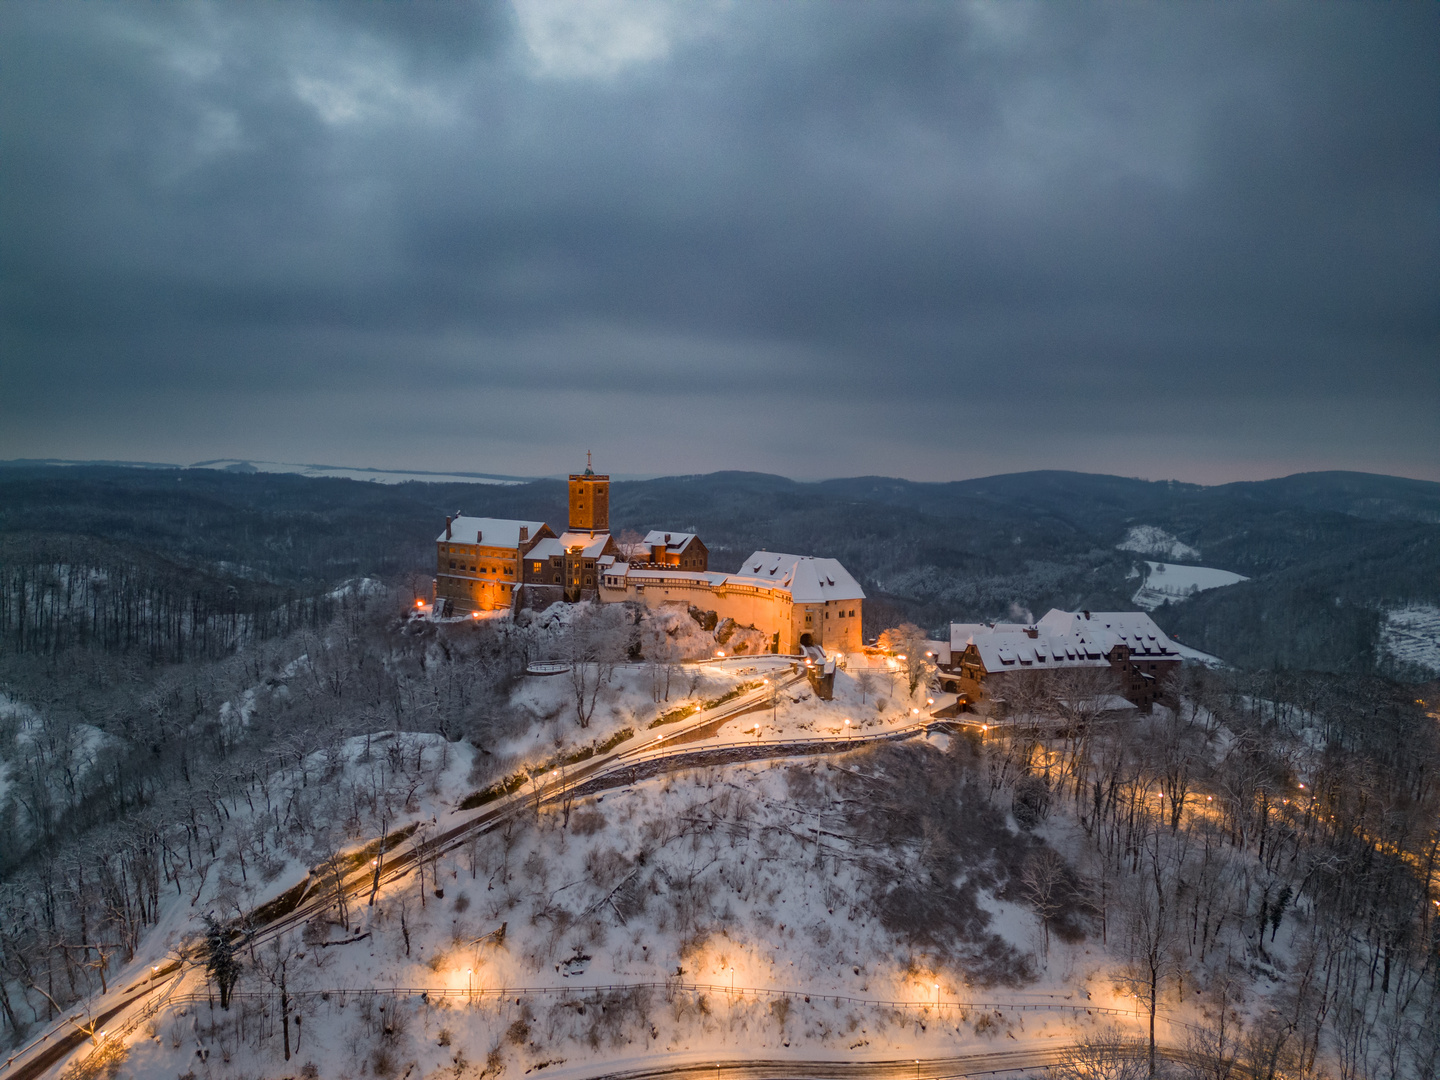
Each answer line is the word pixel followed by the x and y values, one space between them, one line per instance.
pixel 96 551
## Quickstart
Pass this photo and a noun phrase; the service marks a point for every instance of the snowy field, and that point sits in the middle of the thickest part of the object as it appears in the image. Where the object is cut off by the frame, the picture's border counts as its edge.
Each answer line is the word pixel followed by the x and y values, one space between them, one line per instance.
pixel 1411 635
pixel 1171 582
pixel 1153 540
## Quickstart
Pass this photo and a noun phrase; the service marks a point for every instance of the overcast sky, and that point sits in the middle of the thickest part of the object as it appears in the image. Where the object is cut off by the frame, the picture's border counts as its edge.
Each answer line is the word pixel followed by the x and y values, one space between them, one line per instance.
pixel 936 241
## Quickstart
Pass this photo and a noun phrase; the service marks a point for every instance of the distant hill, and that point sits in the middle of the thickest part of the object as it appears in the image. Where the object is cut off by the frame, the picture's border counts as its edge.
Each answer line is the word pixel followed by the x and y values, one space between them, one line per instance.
pixel 1327 554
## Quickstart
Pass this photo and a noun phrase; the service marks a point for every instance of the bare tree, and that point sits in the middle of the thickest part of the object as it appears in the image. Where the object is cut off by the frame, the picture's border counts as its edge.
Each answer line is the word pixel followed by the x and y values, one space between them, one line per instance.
pixel 1215 1043
pixel 1041 882
pixel 592 645
pixel 662 658
pixel 1150 931
pixel 907 643
pixel 1105 1055
pixel 273 963
pixel 1080 694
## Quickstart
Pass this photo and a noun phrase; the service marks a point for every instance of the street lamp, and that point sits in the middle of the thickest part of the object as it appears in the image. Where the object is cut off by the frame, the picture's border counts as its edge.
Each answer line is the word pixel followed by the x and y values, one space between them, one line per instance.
pixel 470 982
pixel 847 730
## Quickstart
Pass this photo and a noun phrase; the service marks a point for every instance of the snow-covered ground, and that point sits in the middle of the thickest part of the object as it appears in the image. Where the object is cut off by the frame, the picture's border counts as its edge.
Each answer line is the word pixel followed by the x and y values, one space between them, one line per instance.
pixel 1171 582
pixel 378 476
pixel 1411 635
pixel 1153 540
pixel 41 765
pixel 725 878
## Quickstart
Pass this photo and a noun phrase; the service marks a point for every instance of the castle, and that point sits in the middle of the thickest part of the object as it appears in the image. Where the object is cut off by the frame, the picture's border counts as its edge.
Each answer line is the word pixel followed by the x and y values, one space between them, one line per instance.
pixel 495 564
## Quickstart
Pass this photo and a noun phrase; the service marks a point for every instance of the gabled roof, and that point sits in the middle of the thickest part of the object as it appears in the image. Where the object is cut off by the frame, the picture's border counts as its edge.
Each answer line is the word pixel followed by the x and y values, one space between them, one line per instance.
pixel 1133 628
pixel 1010 650
pixel 592 545
pixel 674 543
pixel 1062 639
pixel 546 548
pixel 809 580
pixel 493 532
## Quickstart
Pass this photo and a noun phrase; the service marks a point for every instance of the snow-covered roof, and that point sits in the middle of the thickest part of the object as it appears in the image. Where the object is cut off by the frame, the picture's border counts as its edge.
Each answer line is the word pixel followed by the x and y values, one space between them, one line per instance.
pixel 809 580
pixel 674 543
pixel 591 544
pixel 1016 650
pixel 1062 639
pixel 546 548
pixel 940 650
pixel 1133 628
pixel 488 532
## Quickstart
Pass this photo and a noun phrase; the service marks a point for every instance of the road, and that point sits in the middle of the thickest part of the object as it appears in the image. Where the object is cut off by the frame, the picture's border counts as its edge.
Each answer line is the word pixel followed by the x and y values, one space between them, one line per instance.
pixel 932 1068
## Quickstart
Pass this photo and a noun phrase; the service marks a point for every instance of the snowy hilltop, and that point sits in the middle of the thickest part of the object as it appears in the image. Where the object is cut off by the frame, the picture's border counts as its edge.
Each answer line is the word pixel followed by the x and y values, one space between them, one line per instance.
pixel 395 847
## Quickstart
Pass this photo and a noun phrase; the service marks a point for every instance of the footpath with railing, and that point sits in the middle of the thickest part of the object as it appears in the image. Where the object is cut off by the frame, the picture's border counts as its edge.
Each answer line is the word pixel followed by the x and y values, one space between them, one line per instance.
pixel 668 986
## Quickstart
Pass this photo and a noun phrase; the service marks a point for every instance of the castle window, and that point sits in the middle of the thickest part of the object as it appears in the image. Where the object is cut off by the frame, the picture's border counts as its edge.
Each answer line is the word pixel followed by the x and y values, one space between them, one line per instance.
pixel 452 564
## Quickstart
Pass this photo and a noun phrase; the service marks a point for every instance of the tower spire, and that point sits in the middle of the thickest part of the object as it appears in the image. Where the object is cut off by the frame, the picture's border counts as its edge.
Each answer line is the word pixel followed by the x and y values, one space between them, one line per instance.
pixel 588 469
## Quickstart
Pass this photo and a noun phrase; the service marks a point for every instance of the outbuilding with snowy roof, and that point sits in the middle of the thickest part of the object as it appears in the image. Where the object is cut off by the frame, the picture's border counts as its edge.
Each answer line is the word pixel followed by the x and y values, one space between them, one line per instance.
pixel 987 656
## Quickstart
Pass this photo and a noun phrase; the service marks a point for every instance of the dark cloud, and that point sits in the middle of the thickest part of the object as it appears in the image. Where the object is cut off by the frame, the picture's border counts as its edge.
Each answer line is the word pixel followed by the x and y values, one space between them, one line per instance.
pixel 818 239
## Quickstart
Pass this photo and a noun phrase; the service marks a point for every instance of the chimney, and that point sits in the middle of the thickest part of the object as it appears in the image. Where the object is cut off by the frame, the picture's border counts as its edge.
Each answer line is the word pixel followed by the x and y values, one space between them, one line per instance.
pixel 667 538
pixel 479 536
pixel 1032 631
pixel 1086 614
pixel 524 533
pixel 447 526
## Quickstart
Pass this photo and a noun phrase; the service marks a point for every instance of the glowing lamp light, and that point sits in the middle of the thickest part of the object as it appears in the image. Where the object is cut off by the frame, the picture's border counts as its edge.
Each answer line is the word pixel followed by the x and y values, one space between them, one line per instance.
pixel 720 652
pixel 419 603
pixel 475 614
pixel 900 657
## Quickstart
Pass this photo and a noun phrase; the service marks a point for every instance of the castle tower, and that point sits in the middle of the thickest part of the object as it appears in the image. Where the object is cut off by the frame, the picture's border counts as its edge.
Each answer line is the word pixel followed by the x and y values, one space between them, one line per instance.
pixel 589 501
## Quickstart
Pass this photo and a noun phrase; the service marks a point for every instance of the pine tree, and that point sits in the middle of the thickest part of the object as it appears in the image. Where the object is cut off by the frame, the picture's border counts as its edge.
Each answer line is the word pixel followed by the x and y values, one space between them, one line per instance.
pixel 220 960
